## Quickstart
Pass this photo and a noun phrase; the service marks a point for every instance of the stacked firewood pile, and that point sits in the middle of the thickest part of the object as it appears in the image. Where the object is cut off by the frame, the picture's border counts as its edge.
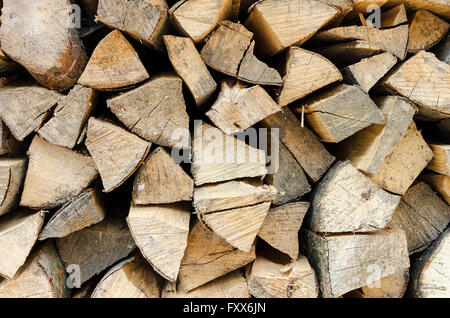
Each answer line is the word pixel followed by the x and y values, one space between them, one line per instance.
pixel 225 148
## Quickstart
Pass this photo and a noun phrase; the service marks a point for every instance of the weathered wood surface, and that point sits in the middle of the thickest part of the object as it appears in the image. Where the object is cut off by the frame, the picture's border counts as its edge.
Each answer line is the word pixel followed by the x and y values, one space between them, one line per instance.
pixel 362 6
pixel 425 31
pixel 393 17
pixel 440 184
pixel 439 7
pixel 392 286
pixel 344 6
pixel 12 175
pixel 441 160
pixel 8 143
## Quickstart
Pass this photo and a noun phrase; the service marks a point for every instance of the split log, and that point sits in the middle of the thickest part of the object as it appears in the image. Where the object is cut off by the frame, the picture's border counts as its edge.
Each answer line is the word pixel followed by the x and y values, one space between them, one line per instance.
pixel 37 35
pixel 394 17
pixel 441 160
pixel 207 257
pixel 232 285
pixel 238 107
pixel 426 30
pixel 344 262
pixel 219 157
pixel 140 19
pixel 281 226
pixel 440 184
pixel 348 201
pixel 8 144
pixel 198 18
pixel 24 107
pixel 392 286
pixel 116 152
pixel 229 195
pixel 301 142
pixel 278 24
pixel 12 175
pixel 442 50
pixel 438 7
pixel 83 211
pixel 367 149
pixel 280 278
pixel 154 110
pixel 18 233
pixel 161 180
pixel 69 118
pixel 369 71
pixel 114 64
pixel 67 174
pixel 344 7
pixel 431 93
pixel 230 50
pixel 430 271
pixel 160 232
pixel 42 276
pixel 130 278
pixel 189 65
pixel 305 72
pixel 340 112
pixel 408 158
pixel 97 247
pixel 422 215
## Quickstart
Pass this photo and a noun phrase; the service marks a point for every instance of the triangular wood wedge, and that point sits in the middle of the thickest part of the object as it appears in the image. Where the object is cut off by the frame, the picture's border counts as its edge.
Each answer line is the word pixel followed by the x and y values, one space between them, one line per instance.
pixel 219 157
pixel 305 72
pixel 160 232
pixel 274 33
pixel 425 31
pixel 18 233
pixel 340 112
pixel 161 180
pixel 438 7
pixel 12 174
pixel 114 64
pixel 281 226
pixel 97 247
pixel 40 36
pixel 67 173
pixel 69 117
pixel 117 153
pixel 42 276
pixel 208 257
pixel 238 107
pixel 24 107
pixel 440 184
pixel 362 6
pixel 154 110
pixel 81 212
pixel 394 17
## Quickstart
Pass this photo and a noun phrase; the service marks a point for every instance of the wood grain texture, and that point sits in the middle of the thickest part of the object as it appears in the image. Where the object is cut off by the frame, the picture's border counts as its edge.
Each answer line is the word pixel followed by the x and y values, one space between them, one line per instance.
pixel 439 7
pixel 393 17
pixel 361 6
pixel 392 286
pixel 440 184
pixel 12 175
pixel 441 160
pixel 425 31
pixel 8 143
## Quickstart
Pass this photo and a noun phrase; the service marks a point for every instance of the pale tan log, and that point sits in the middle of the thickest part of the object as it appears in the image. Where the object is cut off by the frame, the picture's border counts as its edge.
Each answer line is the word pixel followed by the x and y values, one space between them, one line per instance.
pixel 367 149
pixel 282 278
pixel 232 194
pixel 18 233
pixel 425 31
pixel 340 112
pixel 140 19
pixel 238 107
pixel 189 65
pixel 12 175
pixel 219 157
pixel 344 262
pixel 130 278
pixel 24 107
pixel 232 285
pixel 114 64
pixel 70 117
pixel 97 247
pixel 160 232
pixel 402 166
pixel 208 257
pixel 116 152
pixel 55 174
pixel 38 35
pixel 422 215
pixel 278 24
pixel 431 93
pixel 305 72
pixel 439 7
pixel 369 71
pixel 281 226
pixel 440 184
pixel 301 142
pixel 394 17
pixel 42 276
pixel 441 160
pixel 348 201
pixel 161 180
pixel 83 211
pixel 154 110
pixel 431 270
pixel 392 286
pixel 230 50
pixel 198 18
